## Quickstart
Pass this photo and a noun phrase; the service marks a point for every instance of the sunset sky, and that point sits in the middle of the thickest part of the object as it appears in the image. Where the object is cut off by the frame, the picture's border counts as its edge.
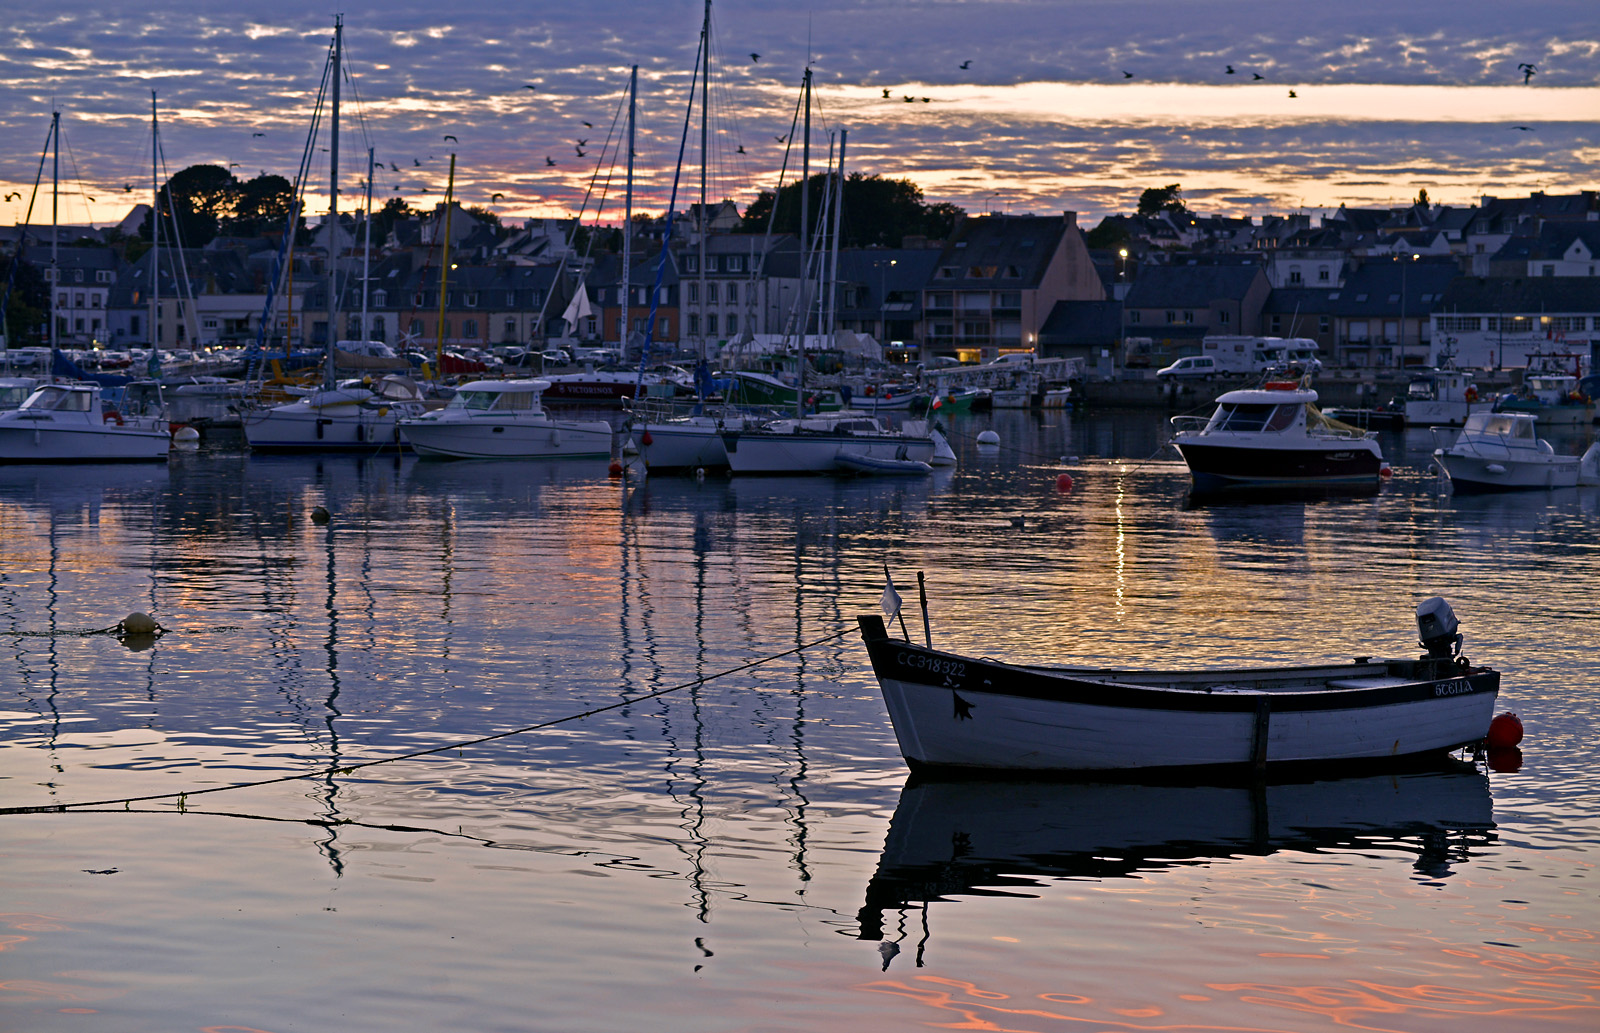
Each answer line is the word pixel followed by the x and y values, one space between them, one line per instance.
pixel 1389 98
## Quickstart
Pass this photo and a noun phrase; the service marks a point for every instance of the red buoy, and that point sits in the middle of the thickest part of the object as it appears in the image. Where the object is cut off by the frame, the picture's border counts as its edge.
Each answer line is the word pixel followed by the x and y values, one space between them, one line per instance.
pixel 645 439
pixel 1505 731
pixel 615 469
pixel 1064 482
pixel 1385 470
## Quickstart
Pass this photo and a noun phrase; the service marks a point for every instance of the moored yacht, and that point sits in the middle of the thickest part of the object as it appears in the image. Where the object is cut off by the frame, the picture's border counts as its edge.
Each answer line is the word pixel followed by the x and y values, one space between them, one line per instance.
pixel 813 444
pixel 1499 452
pixel 1274 437
pixel 502 419
pixel 353 417
pixel 67 423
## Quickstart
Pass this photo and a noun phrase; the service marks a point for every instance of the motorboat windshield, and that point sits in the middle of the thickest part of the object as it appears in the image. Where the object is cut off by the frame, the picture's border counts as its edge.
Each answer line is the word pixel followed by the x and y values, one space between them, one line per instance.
pixel 1505 426
pixel 1253 417
pixel 60 399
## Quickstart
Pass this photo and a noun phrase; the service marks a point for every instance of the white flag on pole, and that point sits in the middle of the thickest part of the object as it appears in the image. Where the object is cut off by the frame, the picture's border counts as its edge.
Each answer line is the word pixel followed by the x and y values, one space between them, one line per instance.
pixel 891 598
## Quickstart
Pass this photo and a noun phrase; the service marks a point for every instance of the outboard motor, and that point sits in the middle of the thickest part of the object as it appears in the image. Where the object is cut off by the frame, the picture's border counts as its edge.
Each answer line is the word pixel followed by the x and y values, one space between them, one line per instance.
pixel 1436 629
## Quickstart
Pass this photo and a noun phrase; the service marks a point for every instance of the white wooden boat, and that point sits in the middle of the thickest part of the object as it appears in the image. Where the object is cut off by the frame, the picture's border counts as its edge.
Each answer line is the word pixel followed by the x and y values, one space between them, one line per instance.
pixel 502 419
pixel 954 711
pixel 813 444
pixel 1274 437
pixel 1498 451
pixel 68 423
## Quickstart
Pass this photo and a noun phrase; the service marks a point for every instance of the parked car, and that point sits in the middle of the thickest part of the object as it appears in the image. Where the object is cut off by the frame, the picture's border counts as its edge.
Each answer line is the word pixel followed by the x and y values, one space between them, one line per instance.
pixel 1189 368
pixel 556 357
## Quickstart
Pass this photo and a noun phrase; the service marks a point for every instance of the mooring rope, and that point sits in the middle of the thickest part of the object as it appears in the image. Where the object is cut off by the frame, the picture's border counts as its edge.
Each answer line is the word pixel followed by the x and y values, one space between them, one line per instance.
pixel 345 769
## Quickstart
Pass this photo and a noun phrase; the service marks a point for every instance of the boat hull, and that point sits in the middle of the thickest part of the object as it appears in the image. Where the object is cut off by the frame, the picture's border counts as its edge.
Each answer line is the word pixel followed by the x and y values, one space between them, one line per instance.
pixel 1344 466
pixel 953 711
pixel 1479 475
pixel 759 452
pixel 288 429
pixel 482 438
pixel 40 441
pixel 683 444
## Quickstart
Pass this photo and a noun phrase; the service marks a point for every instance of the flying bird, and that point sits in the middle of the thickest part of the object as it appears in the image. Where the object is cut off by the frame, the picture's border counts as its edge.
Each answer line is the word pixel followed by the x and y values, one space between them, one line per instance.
pixel 447 136
pixel 258 134
pixel 1127 74
pixel 393 166
pixel 588 125
pixel 580 152
pixel 740 150
pixel 12 196
pixel 1230 69
pixel 1528 71
pixel 908 100
pixel 233 164
pixel 1293 94
pixel 926 100
pixel 781 139
pixel 496 196
pixel 397 187
pixel 529 86
pixel 1257 76
pixel 127 188
pixel 965 65
pixel 549 161
pixel 754 56
pixel 583 143
pixel 1525 129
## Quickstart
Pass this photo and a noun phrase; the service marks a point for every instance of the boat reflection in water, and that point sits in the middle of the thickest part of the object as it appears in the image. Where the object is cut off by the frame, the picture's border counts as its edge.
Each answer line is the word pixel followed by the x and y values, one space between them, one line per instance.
pixel 1006 838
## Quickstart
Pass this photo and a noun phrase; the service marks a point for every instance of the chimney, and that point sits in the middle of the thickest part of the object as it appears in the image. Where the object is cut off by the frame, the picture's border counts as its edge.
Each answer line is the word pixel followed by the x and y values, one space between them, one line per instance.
pixel 1071 219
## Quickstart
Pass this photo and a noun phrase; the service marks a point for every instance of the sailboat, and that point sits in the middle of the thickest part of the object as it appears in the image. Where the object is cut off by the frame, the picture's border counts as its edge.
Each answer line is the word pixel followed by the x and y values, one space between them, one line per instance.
pixel 70 423
pixel 335 418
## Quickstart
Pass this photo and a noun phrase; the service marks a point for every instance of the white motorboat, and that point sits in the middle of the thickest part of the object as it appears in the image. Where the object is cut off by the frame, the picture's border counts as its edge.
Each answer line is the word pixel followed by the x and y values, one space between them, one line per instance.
pixel 1443 397
pixel 352 418
pixel 1274 437
pixel 813 444
pixel 956 711
pixel 1498 451
pixel 67 423
pixel 502 419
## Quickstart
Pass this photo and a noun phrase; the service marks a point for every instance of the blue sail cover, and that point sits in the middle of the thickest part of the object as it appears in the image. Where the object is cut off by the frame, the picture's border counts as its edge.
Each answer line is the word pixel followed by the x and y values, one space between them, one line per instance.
pixel 64 368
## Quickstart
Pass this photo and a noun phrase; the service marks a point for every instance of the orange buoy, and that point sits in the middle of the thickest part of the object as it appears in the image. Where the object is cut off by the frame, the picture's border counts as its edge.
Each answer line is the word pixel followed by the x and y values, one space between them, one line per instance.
pixel 615 469
pixel 1505 731
pixel 1064 483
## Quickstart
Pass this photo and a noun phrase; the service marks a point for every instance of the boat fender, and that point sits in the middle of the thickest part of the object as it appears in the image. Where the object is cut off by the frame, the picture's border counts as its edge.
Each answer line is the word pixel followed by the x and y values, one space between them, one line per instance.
pixel 1385 470
pixel 1505 731
pixel 555 437
pixel 1471 394
pixel 615 469
pixel 112 416
pixel 646 440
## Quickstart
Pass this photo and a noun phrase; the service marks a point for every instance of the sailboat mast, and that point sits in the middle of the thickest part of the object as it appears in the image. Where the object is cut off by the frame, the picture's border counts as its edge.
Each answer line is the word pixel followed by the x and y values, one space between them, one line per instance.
pixel 366 249
pixel 838 205
pixel 627 215
pixel 705 160
pixel 805 246
pixel 55 229
pixel 333 204
pixel 155 227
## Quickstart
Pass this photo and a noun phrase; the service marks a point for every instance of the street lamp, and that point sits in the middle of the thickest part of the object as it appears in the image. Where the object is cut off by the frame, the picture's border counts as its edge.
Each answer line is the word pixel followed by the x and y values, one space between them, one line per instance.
pixel 1122 263
pixel 986 201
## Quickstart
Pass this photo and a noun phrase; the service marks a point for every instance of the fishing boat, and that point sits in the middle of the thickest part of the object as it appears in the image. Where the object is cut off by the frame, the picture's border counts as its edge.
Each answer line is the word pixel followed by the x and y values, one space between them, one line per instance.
pixel 1499 451
pixel 955 711
pixel 813 444
pixel 1443 397
pixel 68 423
pixel 1274 437
pixel 502 419
pixel 1555 398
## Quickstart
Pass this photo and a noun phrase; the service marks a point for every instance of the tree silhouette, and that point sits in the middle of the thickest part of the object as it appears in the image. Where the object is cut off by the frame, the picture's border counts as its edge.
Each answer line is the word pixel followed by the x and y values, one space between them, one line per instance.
pixel 1162 199
pixel 877 211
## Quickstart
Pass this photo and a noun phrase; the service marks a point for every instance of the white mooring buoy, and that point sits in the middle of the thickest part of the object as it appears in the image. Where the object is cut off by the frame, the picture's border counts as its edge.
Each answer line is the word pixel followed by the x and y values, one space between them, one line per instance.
pixel 988 437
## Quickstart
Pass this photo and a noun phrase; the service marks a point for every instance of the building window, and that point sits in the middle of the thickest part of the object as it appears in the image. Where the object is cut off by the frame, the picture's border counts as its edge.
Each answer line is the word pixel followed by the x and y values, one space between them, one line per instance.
pixel 1294 274
pixel 94 301
pixel 691 263
pixel 77 276
pixel 444 329
pixel 61 301
pixel 417 300
pixel 711 324
pixel 469 329
pixel 733 293
pixel 694 324
pixel 209 324
pixel 733 324
pixel 1324 324
pixel 1322 274
pixel 1275 324
pixel 472 301
pixel 1188 317
pixel 133 326
pixel 735 263
pixel 694 295
pixel 948 272
pixel 1458 324
pixel 1133 315
pixel 1565 324
pixel 511 329
pixel 711 295
pixel 1549 270
pixel 377 331
pixel 102 276
pixel 1222 317
pixel 380 299
pixel 1172 317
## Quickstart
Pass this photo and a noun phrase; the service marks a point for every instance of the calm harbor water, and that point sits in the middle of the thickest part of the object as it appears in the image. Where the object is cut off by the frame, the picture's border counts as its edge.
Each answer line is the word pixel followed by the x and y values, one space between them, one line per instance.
pixel 748 853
